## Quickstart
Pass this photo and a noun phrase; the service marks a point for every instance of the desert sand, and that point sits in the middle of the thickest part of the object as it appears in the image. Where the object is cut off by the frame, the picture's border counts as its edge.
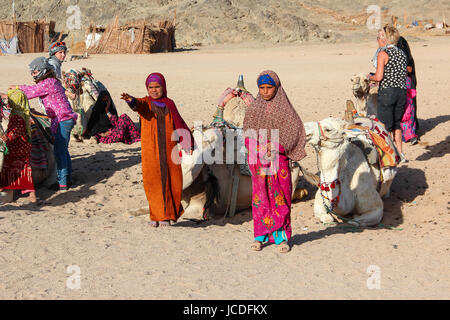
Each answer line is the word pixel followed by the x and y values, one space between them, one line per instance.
pixel 121 257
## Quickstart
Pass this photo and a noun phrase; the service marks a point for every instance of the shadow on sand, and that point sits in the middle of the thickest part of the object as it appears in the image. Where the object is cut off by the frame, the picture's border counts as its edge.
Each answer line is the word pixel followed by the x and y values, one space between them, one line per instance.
pixel 408 184
pixel 438 150
pixel 88 171
pixel 427 125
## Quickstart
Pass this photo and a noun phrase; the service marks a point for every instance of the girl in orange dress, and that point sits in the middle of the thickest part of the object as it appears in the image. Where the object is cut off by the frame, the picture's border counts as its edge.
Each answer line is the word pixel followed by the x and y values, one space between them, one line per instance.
pixel 162 128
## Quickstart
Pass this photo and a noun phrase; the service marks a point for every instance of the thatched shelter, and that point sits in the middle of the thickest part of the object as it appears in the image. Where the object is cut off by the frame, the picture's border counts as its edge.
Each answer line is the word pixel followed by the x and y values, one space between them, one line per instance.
pixel 33 36
pixel 136 37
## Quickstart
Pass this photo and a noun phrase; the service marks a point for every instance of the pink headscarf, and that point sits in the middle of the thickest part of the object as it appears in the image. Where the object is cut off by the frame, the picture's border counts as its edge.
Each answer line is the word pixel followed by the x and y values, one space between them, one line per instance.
pixel 278 113
pixel 164 101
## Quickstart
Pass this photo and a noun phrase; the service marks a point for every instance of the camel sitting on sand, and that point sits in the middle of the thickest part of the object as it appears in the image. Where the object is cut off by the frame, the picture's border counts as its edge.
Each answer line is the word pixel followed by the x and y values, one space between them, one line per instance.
pixel 365 93
pixel 208 180
pixel 82 92
pixel 211 183
pixel 207 187
pixel 348 182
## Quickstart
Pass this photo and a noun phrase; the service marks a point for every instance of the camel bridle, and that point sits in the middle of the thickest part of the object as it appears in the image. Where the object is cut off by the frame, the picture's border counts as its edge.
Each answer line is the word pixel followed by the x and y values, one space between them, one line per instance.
pixel 326 187
pixel 323 137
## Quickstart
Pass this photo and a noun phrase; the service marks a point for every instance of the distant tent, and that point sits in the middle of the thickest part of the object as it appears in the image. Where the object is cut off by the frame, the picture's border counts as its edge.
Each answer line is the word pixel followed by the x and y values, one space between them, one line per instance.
pixel 9 46
pixel 31 36
pixel 135 37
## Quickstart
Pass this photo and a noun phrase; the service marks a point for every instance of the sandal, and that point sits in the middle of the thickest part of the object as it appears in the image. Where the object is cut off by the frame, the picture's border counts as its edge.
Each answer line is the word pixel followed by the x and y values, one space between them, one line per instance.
pixel 256 246
pixel 284 247
pixel 164 224
pixel 153 224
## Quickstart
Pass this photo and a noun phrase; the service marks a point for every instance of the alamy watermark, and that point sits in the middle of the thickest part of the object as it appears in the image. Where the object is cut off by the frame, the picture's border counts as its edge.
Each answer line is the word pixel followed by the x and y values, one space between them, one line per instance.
pixel 374 280
pixel 73 22
pixel 374 20
pixel 73 282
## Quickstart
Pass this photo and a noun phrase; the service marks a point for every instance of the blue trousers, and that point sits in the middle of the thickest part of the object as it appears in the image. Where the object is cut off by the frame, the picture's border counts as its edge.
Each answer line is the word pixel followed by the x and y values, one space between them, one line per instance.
pixel 61 150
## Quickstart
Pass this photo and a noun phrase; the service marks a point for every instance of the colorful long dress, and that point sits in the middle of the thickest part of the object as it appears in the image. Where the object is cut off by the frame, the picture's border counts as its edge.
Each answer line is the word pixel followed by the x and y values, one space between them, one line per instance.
pixel 123 130
pixel 163 179
pixel 409 123
pixel 271 181
pixel 271 194
pixel 16 171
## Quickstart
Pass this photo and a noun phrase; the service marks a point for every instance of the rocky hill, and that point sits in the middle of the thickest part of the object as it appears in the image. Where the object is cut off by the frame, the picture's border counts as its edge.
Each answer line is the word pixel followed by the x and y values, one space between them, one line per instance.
pixel 212 22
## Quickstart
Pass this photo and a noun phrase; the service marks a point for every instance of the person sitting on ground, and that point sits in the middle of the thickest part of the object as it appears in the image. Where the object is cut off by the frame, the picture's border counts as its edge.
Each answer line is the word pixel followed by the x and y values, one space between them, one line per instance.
pixel 16 171
pixel 107 127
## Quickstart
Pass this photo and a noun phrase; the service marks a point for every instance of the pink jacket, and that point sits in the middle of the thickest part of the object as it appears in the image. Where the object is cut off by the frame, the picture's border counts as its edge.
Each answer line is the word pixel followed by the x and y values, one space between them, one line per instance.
pixel 53 98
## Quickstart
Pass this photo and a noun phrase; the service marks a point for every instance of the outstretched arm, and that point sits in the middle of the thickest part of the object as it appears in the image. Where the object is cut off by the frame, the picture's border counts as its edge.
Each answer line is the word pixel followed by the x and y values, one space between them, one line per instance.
pixel 36 90
pixel 138 105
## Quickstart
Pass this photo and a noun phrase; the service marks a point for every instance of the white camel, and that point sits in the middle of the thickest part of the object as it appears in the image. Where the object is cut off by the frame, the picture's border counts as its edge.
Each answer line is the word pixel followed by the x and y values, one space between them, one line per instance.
pixel 365 93
pixel 348 183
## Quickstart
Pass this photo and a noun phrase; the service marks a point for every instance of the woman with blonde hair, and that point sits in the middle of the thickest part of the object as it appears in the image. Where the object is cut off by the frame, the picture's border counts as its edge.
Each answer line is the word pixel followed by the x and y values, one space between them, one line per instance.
pixel 391 74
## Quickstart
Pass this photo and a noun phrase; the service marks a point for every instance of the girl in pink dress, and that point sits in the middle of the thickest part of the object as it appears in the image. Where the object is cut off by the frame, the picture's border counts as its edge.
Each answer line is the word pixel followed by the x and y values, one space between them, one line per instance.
pixel 275 134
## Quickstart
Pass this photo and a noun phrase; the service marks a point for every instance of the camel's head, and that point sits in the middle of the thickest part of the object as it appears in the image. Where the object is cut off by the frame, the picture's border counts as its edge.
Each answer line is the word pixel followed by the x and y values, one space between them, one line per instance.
pixel 326 133
pixel 360 85
pixel 71 81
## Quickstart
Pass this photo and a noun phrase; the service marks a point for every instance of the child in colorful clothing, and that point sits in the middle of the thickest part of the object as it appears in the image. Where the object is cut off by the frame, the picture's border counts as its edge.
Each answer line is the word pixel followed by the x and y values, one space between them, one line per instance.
pixel 58 109
pixel 16 171
pixel 272 113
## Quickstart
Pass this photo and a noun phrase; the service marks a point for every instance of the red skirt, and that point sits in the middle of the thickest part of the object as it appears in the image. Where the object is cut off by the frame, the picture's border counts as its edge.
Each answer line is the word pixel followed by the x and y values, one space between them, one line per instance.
pixel 16 171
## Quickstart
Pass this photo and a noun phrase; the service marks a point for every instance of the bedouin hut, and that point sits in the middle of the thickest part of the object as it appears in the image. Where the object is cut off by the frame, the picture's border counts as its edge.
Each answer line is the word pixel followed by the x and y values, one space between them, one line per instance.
pixel 136 37
pixel 33 36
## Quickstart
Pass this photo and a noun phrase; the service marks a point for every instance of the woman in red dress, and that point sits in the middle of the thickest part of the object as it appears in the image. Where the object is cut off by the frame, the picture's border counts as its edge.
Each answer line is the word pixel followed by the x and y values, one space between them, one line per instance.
pixel 16 171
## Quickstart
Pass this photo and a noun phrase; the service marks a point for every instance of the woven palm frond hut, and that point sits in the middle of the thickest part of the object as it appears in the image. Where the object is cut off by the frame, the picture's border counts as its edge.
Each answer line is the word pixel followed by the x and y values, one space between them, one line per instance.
pixel 136 37
pixel 33 36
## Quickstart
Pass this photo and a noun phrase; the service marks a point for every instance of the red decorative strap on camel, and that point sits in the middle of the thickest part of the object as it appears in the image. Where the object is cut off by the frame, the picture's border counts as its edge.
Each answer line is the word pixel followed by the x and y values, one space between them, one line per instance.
pixel 328 187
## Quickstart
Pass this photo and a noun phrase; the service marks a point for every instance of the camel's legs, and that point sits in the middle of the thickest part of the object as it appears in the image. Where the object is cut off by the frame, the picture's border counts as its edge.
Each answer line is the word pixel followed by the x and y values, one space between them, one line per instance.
pixel 320 211
pixel 368 219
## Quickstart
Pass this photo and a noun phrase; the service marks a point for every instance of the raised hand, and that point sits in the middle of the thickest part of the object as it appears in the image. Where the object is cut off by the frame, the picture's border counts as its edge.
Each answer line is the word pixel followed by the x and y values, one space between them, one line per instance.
pixel 126 97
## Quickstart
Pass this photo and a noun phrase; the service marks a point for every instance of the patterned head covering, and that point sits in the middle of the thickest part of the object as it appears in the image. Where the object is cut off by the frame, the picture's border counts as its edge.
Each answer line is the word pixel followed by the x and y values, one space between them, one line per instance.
pixel 164 101
pixel 40 64
pixel 266 79
pixel 278 113
pixel 159 78
pixel 19 105
pixel 56 47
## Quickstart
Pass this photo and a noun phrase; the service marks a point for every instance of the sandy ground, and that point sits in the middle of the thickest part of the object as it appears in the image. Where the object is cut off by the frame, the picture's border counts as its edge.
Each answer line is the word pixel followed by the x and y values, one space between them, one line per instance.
pixel 120 256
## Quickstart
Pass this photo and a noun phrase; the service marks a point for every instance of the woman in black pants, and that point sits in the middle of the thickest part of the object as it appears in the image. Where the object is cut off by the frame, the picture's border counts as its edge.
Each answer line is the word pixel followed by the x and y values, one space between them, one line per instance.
pixel 391 73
